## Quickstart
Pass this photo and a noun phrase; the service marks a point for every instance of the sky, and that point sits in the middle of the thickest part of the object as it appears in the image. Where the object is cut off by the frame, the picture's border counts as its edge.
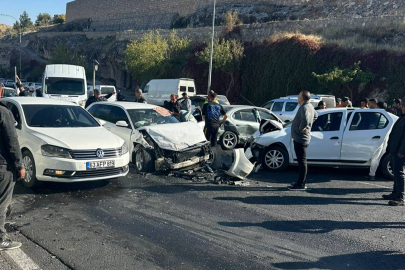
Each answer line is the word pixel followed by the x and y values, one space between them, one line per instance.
pixel 33 7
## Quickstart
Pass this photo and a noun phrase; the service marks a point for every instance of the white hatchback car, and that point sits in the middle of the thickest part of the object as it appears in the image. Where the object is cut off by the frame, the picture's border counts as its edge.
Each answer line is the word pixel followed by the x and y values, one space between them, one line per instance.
pixel 339 137
pixel 156 140
pixel 287 107
pixel 62 142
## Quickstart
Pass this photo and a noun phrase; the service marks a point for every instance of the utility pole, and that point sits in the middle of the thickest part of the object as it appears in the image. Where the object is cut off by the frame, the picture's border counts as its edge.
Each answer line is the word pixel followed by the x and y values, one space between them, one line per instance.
pixel 19 24
pixel 212 49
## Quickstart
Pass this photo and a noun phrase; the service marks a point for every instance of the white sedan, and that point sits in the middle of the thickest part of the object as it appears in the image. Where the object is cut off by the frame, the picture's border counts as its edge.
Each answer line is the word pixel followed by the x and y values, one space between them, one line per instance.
pixel 62 142
pixel 339 137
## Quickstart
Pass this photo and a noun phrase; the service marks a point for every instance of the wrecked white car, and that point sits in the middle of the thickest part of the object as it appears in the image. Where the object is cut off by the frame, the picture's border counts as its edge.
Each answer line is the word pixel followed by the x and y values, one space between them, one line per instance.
pixel 339 137
pixel 157 140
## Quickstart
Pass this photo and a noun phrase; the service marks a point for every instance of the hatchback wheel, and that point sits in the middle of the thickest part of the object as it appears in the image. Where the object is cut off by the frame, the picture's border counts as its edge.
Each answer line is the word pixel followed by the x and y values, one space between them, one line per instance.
pixel 28 162
pixel 386 167
pixel 229 140
pixel 275 159
pixel 143 160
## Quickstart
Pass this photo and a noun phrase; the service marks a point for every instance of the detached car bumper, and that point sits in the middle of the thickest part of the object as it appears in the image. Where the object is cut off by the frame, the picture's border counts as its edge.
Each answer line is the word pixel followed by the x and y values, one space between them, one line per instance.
pixel 71 170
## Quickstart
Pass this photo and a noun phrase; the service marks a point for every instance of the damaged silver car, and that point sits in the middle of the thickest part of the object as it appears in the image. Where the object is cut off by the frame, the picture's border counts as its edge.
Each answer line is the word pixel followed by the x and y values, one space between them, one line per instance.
pixel 157 140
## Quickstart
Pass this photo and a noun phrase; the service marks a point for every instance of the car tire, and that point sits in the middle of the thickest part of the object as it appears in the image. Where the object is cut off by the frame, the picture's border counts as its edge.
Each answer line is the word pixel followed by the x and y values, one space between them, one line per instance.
pixel 386 168
pixel 275 159
pixel 30 179
pixel 143 160
pixel 229 140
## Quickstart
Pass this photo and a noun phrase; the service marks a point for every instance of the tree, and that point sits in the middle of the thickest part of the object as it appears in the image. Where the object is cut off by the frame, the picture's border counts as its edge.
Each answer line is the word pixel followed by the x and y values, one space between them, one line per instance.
pixel 43 19
pixel 25 22
pixel 350 78
pixel 154 56
pixel 59 19
pixel 226 57
pixel 62 55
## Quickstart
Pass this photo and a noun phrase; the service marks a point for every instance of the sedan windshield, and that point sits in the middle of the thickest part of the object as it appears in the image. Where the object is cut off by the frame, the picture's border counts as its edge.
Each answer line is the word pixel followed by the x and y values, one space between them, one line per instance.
pixel 149 117
pixel 64 86
pixel 52 116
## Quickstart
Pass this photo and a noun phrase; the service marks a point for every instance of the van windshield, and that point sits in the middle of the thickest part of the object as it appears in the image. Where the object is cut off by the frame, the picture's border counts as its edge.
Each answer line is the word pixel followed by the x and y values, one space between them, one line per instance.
pixel 64 86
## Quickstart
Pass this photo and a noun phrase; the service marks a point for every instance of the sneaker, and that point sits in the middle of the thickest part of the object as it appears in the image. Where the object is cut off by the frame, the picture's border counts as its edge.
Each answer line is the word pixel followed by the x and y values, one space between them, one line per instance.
pixel 7 244
pixel 389 197
pixel 396 203
pixel 298 187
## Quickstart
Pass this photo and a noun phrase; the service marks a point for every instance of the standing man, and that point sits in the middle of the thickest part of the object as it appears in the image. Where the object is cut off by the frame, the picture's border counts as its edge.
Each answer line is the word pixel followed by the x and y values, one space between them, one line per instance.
pixel 372 103
pixel 338 102
pixel 396 106
pixel 186 103
pixel 211 113
pixel 321 105
pixel 396 148
pixel 10 167
pixel 173 106
pixel 97 97
pixel 364 103
pixel 138 96
pixel 300 131
pixel 22 92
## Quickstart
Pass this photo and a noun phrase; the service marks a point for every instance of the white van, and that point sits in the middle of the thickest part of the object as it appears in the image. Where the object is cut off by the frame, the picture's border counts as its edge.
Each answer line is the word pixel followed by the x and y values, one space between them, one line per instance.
pixel 104 89
pixel 66 82
pixel 329 100
pixel 158 91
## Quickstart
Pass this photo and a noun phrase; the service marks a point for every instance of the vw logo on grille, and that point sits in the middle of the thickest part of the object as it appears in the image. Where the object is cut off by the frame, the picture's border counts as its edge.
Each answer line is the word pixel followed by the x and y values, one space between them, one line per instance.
pixel 100 153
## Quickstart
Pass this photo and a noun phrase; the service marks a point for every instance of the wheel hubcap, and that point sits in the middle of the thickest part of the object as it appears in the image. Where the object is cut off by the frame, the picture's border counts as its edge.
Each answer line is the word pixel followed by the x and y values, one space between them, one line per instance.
pixel 139 160
pixel 274 159
pixel 229 140
pixel 28 166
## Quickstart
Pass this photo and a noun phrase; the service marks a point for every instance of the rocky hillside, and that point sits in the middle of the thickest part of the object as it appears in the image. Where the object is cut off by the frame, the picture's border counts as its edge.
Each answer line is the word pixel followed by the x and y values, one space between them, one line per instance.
pixel 3 28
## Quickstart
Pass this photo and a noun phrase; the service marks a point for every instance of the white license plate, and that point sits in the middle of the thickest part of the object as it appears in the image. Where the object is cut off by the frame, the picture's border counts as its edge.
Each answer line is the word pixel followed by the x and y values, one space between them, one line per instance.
pixel 100 164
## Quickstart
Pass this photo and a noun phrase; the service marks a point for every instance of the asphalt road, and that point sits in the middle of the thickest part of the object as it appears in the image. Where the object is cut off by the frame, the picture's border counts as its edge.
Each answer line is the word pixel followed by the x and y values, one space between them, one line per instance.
pixel 160 222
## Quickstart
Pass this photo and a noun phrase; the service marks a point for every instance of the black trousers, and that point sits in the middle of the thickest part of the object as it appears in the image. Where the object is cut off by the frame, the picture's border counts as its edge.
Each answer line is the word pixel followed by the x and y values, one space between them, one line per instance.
pixel 211 133
pixel 399 176
pixel 301 153
pixel 7 176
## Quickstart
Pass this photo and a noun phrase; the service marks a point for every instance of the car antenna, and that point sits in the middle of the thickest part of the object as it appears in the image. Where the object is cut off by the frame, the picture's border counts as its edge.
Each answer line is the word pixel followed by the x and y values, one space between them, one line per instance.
pixel 247 100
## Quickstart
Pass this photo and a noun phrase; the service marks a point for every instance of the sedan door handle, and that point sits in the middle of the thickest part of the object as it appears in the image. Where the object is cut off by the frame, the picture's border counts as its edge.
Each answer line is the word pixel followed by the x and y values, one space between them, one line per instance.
pixel 376 137
pixel 334 138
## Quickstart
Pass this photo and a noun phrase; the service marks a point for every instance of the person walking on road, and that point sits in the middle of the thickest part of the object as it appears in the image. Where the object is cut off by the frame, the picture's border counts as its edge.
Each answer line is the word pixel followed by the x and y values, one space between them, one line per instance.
pixel 138 97
pixel 300 130
pixel 10 168
pixel 97 97
pixel 211 114
pixel 396 148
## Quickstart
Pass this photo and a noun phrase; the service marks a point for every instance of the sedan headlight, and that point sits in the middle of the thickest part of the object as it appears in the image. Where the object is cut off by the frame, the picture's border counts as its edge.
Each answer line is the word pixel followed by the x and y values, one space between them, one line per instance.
pixel 124 148
pixel 82 103
pixel 55 151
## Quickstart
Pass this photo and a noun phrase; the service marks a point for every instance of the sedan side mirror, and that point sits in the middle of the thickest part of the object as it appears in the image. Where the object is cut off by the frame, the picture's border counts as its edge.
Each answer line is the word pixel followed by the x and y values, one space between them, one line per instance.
pixel 102 122
pixel 121 124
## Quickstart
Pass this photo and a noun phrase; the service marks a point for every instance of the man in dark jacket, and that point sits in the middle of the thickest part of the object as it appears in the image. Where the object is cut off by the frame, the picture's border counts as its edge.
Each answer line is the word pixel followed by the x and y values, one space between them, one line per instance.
pixel 396 148
pixel 211 113
pixel 300 132
pixel 173 106
pixel 10 167
pixel 97 97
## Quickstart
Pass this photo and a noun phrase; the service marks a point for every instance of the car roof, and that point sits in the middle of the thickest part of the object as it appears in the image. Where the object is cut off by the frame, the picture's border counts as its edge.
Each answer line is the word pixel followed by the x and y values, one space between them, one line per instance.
pixel 38 101
pixel 131 105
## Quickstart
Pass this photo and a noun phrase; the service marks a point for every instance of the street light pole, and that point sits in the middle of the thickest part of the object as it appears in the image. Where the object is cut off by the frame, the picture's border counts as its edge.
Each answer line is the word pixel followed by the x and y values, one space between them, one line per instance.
pixel 212 49
pixel 19 24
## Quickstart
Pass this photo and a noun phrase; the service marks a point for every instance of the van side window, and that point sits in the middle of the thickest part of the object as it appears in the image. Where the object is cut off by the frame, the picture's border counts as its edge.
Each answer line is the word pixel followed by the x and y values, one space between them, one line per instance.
pixel 183 88
pixel 191 89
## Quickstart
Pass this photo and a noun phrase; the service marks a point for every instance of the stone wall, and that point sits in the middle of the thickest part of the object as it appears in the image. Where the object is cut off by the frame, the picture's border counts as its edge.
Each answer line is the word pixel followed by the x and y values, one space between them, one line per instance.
pixel 99 10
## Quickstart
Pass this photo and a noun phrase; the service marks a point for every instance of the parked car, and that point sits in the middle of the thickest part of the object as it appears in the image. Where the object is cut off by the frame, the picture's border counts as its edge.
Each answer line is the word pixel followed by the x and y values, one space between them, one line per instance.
pixel 62 142
pixel 339 137
pixel 287 107
pixel 9 83
pixel 2 80
pixel 156 140
pixel 9 92
pixel 243 121
pixel 330 100
pixel 158 91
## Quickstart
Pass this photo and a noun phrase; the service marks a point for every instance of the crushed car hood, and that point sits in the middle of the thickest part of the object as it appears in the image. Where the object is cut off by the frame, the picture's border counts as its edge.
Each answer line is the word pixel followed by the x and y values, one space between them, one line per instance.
pixel 176 137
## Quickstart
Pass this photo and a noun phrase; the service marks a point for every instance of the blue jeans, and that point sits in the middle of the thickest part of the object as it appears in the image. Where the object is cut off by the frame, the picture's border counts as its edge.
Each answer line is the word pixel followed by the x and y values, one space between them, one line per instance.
pixel 399 176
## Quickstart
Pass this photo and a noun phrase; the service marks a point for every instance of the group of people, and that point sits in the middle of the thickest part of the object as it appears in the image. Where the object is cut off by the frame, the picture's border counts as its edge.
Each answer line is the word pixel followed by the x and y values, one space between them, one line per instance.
pixel 307 115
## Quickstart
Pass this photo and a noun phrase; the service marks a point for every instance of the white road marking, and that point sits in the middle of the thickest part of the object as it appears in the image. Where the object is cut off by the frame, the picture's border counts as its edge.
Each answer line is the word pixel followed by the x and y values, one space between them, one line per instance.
pixel 22 260
pixel 370 184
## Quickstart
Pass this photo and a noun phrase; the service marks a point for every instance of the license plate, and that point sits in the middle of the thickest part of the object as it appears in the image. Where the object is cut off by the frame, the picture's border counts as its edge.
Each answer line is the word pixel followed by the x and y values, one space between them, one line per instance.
pixel 100 164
